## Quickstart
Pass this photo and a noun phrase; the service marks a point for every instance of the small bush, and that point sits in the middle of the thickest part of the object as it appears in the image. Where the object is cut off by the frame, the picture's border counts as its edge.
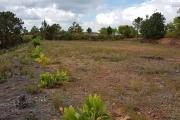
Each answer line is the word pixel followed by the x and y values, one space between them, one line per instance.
pixel 93 109
pixel 36 52
pixel 36 41
pixel 42 59
pixel 32 89
pixel 51 80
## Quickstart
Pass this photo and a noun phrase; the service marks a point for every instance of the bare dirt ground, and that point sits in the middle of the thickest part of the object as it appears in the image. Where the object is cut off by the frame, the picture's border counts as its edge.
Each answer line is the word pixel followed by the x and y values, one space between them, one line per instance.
pixel 134 79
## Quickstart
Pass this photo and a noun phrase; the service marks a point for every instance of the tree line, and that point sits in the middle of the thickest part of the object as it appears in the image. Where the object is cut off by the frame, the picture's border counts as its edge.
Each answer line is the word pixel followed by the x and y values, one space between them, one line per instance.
pixel 152 27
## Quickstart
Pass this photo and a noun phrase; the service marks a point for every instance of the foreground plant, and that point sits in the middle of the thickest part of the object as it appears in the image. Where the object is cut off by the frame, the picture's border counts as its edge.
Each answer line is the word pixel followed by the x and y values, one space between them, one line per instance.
pixel 36 41
pixel 50 80
pixel 93 109
pixel 36 52
pixel 42 59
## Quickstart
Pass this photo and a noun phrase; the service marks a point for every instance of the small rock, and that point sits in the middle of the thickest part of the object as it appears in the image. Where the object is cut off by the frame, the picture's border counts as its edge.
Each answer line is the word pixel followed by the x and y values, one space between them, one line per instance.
pixel 126 118
pixel 123 118
pixel 61 110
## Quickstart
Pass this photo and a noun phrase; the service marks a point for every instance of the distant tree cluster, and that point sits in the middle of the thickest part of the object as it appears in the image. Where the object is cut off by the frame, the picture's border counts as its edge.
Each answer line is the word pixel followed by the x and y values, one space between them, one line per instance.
pixel 173 28
pixel 153 27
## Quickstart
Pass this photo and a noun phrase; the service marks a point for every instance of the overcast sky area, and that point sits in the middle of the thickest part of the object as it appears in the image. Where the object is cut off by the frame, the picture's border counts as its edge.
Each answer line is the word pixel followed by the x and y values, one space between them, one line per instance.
pixel 88 13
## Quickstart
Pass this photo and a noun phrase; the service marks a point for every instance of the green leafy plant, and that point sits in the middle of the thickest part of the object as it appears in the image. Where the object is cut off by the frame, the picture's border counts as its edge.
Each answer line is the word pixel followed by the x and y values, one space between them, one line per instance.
pixel 51 80
pixel 71 114
pixel 36 52
pixel 36 41
pixel 93 109
pixel 42 59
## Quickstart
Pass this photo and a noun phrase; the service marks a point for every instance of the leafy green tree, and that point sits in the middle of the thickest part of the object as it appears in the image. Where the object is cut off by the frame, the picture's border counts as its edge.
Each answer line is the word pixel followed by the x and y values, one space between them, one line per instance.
pixel 137 23
pixel 89 30
pixel 34 30
pixel 173 28
pixel 127 31
pixel 154 26
pixel 25 31
pixel 10 29
pixel 109 30
pixel 103 31
pixel 43 29
pixel 53 31
pixel 75 28
pixel 177 25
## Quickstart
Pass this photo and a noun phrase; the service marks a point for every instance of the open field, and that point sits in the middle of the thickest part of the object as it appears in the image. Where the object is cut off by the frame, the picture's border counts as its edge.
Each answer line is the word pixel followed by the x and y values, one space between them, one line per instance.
pixel 136 79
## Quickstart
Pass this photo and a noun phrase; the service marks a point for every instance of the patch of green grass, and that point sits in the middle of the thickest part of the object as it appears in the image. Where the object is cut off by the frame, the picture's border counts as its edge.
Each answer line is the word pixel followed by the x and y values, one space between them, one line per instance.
pixel 51 80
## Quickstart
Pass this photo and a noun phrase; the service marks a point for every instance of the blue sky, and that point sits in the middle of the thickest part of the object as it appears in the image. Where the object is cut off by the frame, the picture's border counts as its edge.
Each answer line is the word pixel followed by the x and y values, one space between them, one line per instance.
pixel 89 13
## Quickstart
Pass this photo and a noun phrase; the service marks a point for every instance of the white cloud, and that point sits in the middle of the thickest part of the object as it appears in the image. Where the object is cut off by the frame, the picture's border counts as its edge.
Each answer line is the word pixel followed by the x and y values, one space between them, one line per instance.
pixel 126 16
pixel 89 13
pixel 34 16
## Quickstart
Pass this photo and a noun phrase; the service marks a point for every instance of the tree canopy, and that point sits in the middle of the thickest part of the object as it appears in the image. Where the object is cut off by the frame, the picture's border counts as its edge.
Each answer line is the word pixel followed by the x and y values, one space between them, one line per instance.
pixel 137 23
pixel 154 26
pixel 89 30
pixel 75 28
pixel 127 31
pixel 10 29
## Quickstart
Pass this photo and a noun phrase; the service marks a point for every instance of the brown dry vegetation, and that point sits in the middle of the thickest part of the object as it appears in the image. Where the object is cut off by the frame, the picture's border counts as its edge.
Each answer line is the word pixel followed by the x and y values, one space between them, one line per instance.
pixel 136 79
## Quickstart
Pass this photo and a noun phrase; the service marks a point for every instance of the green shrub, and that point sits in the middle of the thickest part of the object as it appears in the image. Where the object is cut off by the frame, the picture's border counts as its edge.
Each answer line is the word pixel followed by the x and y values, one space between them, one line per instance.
pixel 71 114
pixel 36 52
pixel 50 80
pixel 93 109
pixel 36 41
pixel 42 59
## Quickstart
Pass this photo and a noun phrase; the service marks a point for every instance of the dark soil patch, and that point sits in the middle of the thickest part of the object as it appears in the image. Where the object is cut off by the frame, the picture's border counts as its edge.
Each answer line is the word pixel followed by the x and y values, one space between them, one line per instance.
pixel 152 57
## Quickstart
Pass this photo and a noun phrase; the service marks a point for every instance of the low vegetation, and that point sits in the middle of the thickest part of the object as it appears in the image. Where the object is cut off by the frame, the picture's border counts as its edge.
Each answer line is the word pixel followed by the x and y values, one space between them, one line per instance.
pixel 32 89
pixel 36 52
pixel 51 80
pixel 93 109
pixel 36 41
pixel 42 59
